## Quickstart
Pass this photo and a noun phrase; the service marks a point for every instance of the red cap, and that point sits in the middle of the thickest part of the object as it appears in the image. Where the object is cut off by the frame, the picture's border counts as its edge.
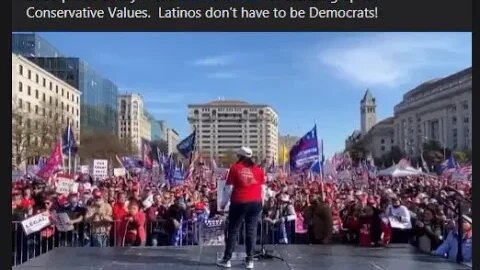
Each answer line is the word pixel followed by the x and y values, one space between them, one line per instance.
pixel 199 206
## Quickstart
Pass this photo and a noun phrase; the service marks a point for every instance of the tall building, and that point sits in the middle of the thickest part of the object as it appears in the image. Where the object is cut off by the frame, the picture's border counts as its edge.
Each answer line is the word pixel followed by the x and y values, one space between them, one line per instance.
pixel 156 129
pixel 42 106
pixel 163 130
pixel 172 140
pixel 99 95
pixel 33 45
pixel 225 125
pixel 133 123
pixel 438 110
pixel 379 140
pixel 368 116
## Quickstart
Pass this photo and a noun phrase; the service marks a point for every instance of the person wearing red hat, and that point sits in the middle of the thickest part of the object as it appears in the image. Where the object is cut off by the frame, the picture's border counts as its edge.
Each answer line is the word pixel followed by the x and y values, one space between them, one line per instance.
pixel 99 216
pixel 245 189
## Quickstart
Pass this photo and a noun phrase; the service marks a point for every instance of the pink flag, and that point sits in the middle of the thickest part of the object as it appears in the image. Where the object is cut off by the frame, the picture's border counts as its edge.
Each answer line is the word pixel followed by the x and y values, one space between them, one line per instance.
pixel 53 163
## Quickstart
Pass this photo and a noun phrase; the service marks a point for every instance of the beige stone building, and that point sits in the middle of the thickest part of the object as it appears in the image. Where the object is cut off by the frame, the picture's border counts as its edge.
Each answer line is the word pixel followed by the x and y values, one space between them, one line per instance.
pixel 134 123
pixel 380 138
pixel 225 125
pixel 439 110
pixel 42 107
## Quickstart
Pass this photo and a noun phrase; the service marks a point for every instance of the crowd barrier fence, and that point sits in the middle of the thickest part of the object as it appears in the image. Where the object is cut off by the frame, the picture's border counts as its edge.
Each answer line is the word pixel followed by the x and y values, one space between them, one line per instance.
pixel 26 247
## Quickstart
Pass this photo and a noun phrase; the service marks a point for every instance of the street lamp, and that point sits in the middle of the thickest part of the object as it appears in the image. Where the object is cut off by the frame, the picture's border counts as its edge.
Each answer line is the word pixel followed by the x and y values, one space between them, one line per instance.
pixel 441 144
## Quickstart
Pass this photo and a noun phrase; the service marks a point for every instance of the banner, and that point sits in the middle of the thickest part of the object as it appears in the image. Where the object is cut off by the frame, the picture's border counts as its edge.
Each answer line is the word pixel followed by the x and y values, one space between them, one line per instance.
pixel 100 168
pixel 213 233
pixel 66 186
pixel 305 152
pixel 35 223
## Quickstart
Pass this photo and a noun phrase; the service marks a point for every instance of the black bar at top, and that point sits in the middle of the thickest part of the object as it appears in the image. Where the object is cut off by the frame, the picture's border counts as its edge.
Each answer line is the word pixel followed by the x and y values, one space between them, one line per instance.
pixel 393 15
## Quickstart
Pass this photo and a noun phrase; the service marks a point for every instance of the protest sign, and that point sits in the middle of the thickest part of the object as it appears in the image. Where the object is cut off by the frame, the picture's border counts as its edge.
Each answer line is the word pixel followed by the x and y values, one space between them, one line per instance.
pixel 119 172
pixel 100 168
pixel 212 233
pixel 35 223
pixel 84 169
pixel 63 222
pixel 66 186
pixel 220 191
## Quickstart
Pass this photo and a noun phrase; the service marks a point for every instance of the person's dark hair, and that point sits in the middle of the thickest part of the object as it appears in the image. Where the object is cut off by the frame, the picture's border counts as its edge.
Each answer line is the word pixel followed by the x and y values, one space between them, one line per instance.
pixel 248 162
pixel 134 202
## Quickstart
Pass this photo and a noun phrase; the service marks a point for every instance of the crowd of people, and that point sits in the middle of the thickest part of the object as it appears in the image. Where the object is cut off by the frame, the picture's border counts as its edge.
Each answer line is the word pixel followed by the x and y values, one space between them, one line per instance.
pixel 128 211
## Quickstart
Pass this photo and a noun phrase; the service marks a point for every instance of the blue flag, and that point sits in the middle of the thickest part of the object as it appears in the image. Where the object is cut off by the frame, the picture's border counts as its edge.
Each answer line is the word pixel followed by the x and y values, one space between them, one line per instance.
pixel 69 145
pixel 305 152
pixel 187 145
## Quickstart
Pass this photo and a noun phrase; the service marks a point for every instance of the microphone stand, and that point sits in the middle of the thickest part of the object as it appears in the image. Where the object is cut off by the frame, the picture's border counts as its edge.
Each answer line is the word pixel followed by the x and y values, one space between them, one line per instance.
pixel 264 254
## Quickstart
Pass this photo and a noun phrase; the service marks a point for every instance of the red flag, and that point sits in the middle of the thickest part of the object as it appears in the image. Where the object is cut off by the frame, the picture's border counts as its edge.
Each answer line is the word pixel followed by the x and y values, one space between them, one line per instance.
pixel 53 163
pixel 147 160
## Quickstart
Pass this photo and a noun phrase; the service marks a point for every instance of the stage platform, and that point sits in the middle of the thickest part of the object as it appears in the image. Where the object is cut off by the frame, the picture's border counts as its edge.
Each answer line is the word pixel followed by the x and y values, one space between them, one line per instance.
pixel 299 257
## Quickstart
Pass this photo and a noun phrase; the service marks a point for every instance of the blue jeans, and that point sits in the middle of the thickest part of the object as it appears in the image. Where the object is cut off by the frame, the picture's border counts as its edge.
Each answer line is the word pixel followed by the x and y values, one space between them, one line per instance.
pixel 99 240
pixel 239 212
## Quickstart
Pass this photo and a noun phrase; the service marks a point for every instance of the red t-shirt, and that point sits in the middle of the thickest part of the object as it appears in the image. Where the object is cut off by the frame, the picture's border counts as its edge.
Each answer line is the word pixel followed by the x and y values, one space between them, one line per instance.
pixel 247 183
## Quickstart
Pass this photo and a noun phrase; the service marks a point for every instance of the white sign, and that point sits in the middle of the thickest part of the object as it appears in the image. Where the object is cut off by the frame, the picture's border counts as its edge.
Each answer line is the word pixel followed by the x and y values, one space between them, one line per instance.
pixel 63 222
pixel 66 186
pixel 84 169
pixel 119 172
pixel 220 191
pixel 100 168
pixel 35 223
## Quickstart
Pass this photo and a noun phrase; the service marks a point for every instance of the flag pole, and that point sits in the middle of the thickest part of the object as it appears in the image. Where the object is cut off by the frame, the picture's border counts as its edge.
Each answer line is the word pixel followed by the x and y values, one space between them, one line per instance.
pixel 69 148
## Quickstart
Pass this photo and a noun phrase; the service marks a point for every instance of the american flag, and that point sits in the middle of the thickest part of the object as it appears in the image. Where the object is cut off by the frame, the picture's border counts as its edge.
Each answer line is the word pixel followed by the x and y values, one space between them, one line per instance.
pixel 467 170
pixel 191 167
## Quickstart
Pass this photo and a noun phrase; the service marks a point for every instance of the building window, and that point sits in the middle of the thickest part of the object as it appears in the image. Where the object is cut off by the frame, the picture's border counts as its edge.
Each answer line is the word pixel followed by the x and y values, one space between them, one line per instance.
pixel 62 105
pixel 36 93
pixel 50 85
pixel 36 109
pixel 465 105
pixel 382 141
pixel 68 95
pixel 37 79
pixel 68 108
pixel 44 82
pixel 28 107
pixel 77 112
pixel 20 87
pixel 44 114
pixel 63 91
pixel 29 74
pixel 465 120
pixel 56 102
pixel 77 101
pixel 454 120
pixel 20 103
pixel 383 148
pixel 20 69
pixel 50 100
pixel 43 97
pixel 29 90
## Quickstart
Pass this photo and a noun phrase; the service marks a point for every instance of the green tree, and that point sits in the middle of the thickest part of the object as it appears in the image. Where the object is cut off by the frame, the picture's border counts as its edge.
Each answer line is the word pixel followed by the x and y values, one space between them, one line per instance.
pixel 460 157
pixel 358 152
pixel 433 152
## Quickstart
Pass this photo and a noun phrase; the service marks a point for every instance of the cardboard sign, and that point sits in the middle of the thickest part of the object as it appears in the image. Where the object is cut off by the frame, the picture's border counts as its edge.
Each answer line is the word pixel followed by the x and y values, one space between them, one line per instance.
pixel 119 172
pixel 35 223
pixel 100 168
pixel 220 191
pixel 62 223
pixel 213 233
pixel 66 186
